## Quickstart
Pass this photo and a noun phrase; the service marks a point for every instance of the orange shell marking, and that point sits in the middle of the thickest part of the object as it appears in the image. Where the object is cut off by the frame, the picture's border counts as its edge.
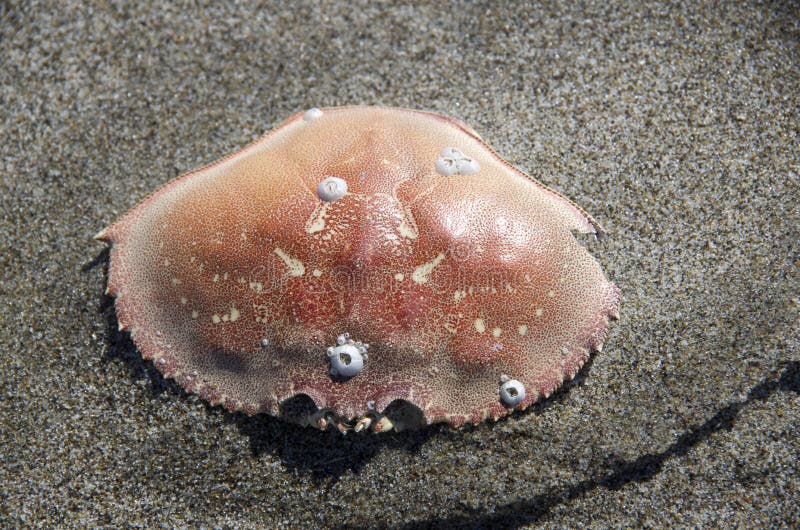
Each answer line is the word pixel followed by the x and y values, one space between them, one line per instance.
pixel 446 267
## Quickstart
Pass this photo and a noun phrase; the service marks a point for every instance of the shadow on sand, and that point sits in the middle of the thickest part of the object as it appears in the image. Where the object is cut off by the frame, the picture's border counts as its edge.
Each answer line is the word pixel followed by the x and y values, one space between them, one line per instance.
pixel 329 454
pixel 641 469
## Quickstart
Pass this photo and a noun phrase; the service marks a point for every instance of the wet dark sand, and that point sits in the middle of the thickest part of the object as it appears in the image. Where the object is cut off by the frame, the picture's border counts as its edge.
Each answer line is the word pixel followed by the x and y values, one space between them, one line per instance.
pixel 678 130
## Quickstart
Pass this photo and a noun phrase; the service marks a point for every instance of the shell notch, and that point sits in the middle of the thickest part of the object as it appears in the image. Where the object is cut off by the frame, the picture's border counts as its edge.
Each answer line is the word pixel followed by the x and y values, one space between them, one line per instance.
pixel 234 277
pixel 347 357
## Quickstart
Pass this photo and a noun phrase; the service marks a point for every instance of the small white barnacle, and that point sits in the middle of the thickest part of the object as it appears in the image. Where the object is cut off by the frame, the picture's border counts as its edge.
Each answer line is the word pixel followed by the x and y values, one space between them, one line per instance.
pixel 264 342
pixel 512 392
pixel 331 189
pixel 451 161
pixel 347 357
pixel 446 166
pixel 346 361
pixel 312 114
pixel 467 166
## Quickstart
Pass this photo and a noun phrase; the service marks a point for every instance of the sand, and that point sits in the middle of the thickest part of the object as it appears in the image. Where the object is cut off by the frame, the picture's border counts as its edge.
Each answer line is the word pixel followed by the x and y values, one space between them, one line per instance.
pixel 676 127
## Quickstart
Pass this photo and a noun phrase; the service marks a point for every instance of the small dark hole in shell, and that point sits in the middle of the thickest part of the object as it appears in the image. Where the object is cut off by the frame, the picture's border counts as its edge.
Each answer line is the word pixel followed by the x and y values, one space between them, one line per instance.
pixel 405 415
pixel 298 409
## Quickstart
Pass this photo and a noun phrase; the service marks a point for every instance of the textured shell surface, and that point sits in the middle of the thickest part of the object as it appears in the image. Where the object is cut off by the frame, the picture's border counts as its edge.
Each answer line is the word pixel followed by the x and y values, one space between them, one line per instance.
pixel 359 256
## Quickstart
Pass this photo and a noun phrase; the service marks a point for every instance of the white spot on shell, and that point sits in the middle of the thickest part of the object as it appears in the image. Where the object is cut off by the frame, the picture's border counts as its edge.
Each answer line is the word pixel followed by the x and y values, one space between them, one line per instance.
pixel 331 189
pixel 496 332
pixel 422 273
pixel 312 114
pixel 480 326
pixel 399 276
pixel 512 392
pixel 523 329
pixel 295 266
pixel 317 273
pixel 316 222
pixel 539 311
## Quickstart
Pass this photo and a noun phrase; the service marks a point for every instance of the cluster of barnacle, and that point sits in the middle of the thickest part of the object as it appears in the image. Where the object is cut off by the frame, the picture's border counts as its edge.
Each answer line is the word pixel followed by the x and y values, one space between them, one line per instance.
pixel 451 161
pixel 347 357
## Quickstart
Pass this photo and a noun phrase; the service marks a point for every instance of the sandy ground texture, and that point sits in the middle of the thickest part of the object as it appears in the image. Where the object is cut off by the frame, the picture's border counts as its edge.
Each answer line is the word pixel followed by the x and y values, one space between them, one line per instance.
pixel 676 127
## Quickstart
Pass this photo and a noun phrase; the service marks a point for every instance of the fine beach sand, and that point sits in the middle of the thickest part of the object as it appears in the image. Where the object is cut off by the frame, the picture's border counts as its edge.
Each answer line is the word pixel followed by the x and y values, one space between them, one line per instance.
pixel 677 128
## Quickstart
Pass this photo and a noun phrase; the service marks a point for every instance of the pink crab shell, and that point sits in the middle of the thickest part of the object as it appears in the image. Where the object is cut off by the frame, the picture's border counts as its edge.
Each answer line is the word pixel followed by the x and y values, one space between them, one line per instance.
pixel 236 278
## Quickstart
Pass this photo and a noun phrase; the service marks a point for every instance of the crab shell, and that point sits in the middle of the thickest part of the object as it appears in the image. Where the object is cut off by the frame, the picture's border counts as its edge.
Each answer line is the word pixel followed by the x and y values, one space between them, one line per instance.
pixel 236 278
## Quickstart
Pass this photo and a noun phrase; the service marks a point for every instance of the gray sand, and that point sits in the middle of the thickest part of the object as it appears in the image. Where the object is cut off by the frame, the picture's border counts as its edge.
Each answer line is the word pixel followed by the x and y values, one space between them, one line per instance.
pixel 677 129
